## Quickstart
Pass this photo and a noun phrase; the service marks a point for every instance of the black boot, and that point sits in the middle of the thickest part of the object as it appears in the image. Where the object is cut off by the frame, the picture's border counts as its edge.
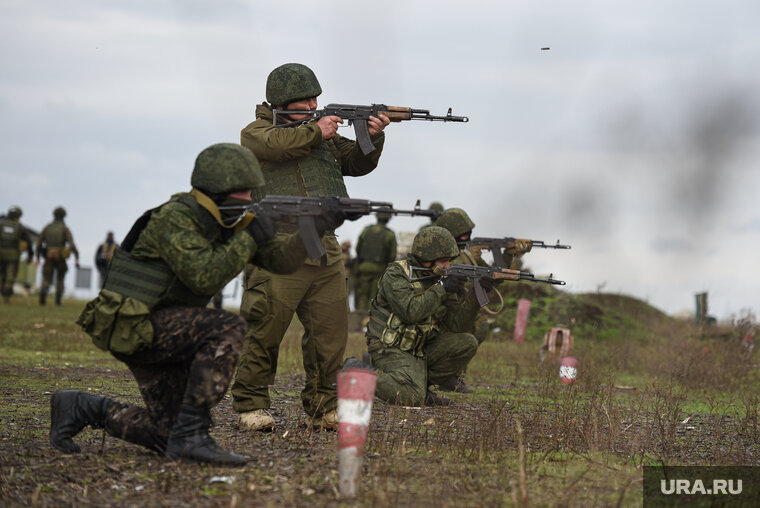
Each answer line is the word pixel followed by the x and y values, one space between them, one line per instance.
pixel 355 363
pixel 433 399
pixel 58 299
pixel 43 297
pixel 70 412
pixel 454 384
pixel 190 441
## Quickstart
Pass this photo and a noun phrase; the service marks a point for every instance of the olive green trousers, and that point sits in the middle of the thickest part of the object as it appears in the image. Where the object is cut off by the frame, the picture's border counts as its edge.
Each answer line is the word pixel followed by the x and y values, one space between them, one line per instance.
pixel 317 294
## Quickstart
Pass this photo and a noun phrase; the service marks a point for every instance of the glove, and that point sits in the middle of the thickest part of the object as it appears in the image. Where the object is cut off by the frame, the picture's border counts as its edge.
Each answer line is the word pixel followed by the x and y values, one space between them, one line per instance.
pixel 453 283
pixel 330 218
pixel 262 229
pixel 520 247
pixel 487 283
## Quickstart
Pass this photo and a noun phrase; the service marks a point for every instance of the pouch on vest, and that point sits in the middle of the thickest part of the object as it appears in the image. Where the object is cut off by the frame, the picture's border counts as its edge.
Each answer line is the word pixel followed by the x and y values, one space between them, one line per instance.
pixel 66 252
pixel 116 323
pixel 22 245
pixel 53 253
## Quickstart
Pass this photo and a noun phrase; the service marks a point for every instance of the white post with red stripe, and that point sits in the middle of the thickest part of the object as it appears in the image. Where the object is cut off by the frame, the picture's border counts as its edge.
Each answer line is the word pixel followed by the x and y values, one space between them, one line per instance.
pixel 356 391
pixel 521 323
pixel 568 369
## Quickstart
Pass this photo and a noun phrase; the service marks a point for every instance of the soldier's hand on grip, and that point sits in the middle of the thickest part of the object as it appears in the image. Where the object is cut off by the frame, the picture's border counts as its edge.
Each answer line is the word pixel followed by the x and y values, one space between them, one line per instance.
pixel 486 283
pixel 331 218
pixel 262 229
pixel 453 283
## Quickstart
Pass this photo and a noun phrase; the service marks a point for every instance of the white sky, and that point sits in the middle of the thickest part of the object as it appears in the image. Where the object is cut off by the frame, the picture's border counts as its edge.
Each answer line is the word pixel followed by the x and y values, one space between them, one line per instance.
pixel 635 138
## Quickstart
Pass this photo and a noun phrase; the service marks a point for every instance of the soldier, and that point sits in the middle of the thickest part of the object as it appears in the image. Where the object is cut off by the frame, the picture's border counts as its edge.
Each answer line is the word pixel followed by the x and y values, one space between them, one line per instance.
pixel 14 239
pixel 152 312
pixel 103 256
pixel 348 265
pixel 438 207
pixel 375 249
pixel 459 224
pixel 55 244
pixel 304 159
pixel 415 333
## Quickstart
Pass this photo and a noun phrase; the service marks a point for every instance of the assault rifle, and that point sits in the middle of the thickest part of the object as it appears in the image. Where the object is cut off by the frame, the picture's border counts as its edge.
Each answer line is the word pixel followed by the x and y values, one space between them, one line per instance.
pixel 358 115
pixel 478 273
pixel 301 211
pixel 497 245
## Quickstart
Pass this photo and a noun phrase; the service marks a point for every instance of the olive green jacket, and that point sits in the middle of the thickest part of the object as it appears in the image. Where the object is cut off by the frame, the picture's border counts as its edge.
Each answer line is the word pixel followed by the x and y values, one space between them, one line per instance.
pixel 375 249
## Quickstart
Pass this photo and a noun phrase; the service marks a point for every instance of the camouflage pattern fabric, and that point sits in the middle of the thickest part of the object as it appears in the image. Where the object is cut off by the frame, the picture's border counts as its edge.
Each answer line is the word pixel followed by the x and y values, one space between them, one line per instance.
pixel 296 160
pixel 11 235
pixel 291 82
pixel 191 361
pixel 225 168
pixel 402 376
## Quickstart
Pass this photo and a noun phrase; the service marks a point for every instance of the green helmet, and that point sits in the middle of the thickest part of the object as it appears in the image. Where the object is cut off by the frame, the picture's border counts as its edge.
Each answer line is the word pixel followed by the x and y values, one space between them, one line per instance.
pixel 291 82
pixel 225 168
pixel 437 206
pixel 14 212
pixel 456 221
pixel 383 216
pixel 434 243
pixel 59 213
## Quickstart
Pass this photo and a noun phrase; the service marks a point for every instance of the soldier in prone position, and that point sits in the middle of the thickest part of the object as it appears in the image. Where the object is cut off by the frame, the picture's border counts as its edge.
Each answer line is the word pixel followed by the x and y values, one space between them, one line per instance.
pixel 152 312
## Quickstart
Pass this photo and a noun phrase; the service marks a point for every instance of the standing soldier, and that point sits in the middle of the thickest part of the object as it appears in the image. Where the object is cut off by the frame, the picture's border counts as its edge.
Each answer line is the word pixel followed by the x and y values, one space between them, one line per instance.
pixel 304 158
pixel 152 312
pixel 458 223
pixel 416 332
pixel 103 256
pixel 14 239
pixel 55 244
pixel 375 249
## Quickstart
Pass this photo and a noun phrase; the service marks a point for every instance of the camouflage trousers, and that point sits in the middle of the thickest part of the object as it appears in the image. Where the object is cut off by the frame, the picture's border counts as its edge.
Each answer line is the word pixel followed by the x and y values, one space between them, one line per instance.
pixel 57 267
pixel 8 271
pixel 403 378
pixel 191 361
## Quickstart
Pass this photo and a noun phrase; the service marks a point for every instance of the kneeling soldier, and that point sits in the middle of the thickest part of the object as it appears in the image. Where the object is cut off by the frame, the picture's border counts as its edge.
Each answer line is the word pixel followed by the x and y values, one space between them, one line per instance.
pixel 152 315
pixel 405 334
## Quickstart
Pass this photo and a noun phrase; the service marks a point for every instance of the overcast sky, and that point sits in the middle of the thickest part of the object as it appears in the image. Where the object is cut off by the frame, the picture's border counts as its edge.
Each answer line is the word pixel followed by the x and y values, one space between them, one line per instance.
pixel 634 138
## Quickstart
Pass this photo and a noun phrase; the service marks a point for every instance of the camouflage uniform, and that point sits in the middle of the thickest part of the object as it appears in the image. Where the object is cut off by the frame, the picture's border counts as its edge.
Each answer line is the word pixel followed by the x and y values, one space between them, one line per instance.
pixel 58 242
pixel 375 249
pixel 152 312
pixel 13 240
pixel 416 333
pixel 297 161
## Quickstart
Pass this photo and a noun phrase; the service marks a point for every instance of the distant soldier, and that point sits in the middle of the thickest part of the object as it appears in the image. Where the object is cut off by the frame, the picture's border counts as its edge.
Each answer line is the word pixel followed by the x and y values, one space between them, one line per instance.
pixel 103 256
pixel 55 244
pixel 415 333
pixel 349 265
pixel 14 239
pixel 438 207
pixel 459 224
pixel 375 249
pixel 152 313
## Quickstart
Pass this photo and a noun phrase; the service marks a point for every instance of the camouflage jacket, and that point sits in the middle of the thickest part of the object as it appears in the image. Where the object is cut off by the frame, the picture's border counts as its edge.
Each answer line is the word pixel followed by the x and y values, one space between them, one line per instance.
pixel 376 248
pixel 56 236
pixel 415 311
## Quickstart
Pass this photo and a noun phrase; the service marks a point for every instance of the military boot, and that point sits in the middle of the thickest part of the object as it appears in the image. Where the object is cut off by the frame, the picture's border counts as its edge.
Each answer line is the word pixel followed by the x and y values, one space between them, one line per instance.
pixel 58 299
pixel 258 419
pixel 433 399
pixel 70 412
pixel 43 296
pixel 454 384
pixel 190 441
pixel 328 421
pixel 355 363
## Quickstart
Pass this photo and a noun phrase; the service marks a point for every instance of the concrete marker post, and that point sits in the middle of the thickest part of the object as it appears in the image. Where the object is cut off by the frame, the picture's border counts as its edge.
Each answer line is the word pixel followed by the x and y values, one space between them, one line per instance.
pixel 356 392
pixel 521 323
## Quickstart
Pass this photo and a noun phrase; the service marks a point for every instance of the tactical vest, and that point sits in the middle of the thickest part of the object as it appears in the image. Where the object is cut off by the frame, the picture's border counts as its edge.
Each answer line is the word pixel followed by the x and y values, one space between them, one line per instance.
pixel 54 234
pixel 107 250
pixel 10 234
pixel 373 245
pixel 392 332
pixel 315 174
pixel 151 280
